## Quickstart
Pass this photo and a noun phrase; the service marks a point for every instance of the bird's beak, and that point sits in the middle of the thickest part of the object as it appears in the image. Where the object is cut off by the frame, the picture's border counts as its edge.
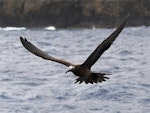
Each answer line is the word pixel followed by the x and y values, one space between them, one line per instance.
pixel 67 71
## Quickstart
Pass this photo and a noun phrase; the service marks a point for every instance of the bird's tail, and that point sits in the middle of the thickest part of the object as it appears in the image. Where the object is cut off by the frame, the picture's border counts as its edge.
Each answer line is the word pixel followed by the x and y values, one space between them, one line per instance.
pixel 95 78
pixel 99 77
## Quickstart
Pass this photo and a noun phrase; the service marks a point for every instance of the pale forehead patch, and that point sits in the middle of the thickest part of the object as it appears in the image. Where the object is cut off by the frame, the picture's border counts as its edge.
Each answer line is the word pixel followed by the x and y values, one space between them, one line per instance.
pixel 71 67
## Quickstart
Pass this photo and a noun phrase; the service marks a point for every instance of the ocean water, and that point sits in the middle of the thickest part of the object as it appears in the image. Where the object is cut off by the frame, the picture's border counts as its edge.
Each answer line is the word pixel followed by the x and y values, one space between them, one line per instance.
pixel 29 84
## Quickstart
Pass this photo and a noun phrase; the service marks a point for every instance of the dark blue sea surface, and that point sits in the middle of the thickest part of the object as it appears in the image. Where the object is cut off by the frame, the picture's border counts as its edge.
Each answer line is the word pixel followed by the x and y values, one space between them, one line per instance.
pixel 29 84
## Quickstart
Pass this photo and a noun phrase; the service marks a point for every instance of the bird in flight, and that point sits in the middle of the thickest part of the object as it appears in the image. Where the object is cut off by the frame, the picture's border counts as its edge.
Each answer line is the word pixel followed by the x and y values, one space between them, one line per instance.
pixel 83 71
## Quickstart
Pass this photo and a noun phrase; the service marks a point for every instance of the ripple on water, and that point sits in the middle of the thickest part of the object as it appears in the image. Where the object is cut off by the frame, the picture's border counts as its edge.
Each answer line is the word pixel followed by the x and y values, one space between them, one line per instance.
pixel 30 84
pixel 125 52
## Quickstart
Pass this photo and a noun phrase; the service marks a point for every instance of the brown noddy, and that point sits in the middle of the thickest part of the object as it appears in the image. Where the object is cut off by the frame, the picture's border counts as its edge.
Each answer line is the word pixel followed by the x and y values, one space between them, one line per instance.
pixel 83 71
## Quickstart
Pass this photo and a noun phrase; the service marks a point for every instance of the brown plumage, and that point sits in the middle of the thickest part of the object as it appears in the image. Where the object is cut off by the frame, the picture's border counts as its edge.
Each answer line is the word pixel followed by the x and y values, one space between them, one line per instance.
pixel 83 71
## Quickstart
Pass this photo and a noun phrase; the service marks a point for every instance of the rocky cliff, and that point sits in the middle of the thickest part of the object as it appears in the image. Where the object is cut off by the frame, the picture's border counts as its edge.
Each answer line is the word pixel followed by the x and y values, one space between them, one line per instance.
pixel 73 13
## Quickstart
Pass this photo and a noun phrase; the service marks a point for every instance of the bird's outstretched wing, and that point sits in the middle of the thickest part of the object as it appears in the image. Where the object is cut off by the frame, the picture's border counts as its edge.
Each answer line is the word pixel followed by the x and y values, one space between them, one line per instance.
pixel 33 49
pixel 103 46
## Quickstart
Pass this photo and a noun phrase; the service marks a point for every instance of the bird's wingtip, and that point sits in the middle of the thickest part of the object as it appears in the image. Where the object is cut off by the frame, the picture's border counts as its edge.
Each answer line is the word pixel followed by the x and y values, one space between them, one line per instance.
pixel 21 38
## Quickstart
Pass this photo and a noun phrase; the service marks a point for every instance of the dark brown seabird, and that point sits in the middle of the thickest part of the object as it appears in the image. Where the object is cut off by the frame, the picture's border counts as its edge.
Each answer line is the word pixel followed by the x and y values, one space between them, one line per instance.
pixel 83 71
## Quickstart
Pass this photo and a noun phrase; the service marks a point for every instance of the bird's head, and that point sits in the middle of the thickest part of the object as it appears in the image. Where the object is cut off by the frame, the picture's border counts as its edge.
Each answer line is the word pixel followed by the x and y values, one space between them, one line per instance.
pixel 71 68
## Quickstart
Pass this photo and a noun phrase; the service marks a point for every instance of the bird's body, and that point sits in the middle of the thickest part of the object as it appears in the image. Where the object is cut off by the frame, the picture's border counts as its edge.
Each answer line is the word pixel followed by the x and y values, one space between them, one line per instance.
pixel 83 71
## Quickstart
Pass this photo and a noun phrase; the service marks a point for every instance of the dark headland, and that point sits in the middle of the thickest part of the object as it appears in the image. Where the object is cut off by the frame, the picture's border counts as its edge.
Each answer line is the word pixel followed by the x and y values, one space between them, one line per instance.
pixel 73 13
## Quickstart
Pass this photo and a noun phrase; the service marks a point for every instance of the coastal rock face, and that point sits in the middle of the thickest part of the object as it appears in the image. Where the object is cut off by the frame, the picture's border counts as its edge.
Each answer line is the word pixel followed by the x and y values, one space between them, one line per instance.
pixel 73 13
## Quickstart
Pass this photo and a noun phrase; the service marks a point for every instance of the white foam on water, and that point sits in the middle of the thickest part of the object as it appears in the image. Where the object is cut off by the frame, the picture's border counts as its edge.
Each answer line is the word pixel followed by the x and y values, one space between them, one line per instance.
pixel 12 28
pixel 52 28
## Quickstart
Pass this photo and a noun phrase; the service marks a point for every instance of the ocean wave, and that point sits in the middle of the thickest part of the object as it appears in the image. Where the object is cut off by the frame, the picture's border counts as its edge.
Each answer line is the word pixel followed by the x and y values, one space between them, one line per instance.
pixel 50 28
pixel 12 28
